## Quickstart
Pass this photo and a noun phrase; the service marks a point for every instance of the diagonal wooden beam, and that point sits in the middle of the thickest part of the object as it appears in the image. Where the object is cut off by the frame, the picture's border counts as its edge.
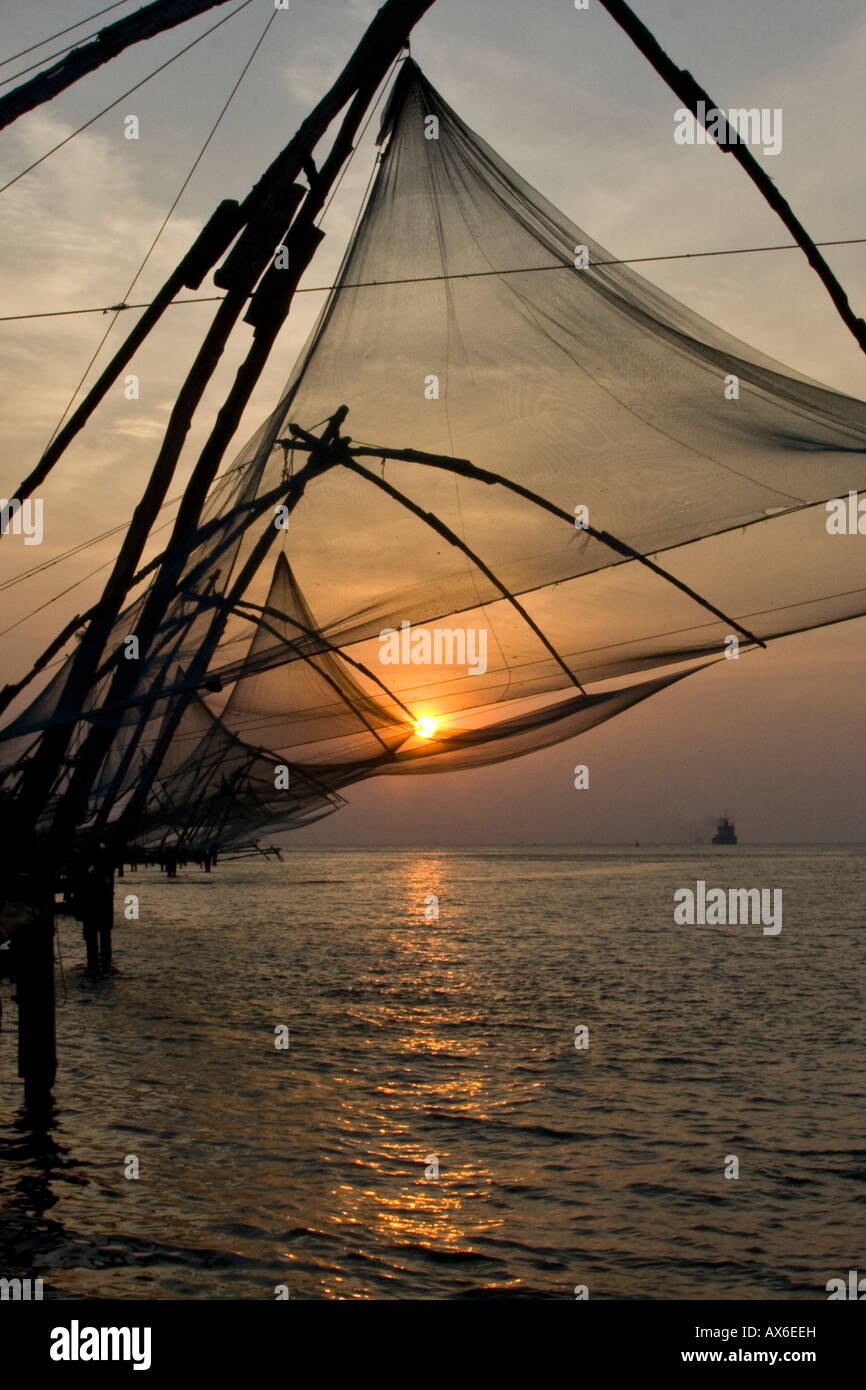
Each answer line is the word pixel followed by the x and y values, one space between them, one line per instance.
pixel 453 539
pixel 484 475
pixel 109 42
pixel 691 94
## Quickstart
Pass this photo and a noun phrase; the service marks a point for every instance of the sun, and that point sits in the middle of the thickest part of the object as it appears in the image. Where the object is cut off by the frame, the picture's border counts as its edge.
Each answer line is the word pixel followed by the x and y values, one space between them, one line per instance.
pixel 426 726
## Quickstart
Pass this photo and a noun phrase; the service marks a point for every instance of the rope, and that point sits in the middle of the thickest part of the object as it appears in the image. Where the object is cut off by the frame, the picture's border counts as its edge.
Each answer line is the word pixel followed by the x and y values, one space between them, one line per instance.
pixel 60 32
pixel 86 545
pixel 49 57
pixel 74 550
pixel 456 275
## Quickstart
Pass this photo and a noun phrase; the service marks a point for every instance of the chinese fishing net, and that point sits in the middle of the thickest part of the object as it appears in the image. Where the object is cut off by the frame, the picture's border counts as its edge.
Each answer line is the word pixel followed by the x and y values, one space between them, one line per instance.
pixel 418 615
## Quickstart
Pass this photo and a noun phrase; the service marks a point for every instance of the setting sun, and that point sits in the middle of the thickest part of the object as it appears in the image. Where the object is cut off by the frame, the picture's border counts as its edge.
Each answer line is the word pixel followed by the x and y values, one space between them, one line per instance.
pixel 426 725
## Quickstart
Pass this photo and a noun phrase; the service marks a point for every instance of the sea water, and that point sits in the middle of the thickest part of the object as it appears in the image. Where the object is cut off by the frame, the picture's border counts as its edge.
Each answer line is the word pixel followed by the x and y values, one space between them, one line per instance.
pixel 508 1072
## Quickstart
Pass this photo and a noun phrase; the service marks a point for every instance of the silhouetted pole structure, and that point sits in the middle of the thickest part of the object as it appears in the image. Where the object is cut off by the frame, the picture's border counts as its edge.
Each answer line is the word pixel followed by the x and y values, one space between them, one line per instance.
pixel 324 453
pixel 277 212
pixel 267 212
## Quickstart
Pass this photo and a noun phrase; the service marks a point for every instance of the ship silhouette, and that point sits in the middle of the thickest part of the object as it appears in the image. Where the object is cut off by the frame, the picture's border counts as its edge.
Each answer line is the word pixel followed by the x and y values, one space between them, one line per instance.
pixel 726 833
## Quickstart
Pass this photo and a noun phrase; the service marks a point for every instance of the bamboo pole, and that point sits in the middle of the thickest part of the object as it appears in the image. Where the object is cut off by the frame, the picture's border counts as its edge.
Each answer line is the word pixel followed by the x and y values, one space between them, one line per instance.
pixel 276 190
pixel 245 512
pixel 100 738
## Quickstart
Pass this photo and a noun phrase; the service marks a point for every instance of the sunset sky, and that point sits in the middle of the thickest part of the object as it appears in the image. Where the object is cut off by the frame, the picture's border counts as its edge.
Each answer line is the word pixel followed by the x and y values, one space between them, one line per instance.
pixel 776 738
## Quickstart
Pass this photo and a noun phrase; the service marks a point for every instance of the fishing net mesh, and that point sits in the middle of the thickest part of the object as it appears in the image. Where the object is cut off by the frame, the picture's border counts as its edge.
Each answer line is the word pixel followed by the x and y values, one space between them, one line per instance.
pixel 424 614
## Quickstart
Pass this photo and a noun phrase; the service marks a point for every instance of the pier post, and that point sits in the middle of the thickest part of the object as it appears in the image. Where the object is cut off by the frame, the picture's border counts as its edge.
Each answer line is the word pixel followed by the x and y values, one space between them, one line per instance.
pixel 97 914
pixel 106 917
pixel 91 943
pixel 33 955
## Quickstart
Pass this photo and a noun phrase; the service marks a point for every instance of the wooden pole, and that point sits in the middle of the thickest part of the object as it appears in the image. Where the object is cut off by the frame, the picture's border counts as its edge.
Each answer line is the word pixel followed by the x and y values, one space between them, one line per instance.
pixel 691 94
pixel 321 459
pixel 33 963
pixel 211 243
pixel 109 42
pixel 42 770
pixel 95 900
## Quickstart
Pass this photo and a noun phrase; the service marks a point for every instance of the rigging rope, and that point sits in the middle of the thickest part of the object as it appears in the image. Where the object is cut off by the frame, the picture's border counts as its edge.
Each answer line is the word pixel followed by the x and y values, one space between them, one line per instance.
pixel 455 275
pixel 51 37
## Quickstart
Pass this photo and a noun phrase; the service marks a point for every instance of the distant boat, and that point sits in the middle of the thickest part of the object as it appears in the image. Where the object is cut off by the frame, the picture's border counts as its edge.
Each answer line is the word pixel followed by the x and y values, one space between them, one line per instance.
pixel 726 833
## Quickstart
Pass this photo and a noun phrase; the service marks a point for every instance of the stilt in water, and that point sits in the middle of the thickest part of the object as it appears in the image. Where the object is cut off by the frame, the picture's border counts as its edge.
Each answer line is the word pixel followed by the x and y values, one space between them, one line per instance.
pixel 96 910
pixel 31 907
pixel 91 942
pixel 106 918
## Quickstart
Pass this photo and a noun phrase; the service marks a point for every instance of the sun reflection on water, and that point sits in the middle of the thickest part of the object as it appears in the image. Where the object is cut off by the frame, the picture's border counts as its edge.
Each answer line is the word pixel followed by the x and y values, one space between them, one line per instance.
pixel 424 1020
